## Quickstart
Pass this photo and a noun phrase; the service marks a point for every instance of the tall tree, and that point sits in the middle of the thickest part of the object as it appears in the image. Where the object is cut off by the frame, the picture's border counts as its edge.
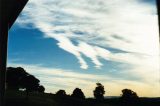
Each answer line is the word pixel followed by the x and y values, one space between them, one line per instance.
pixel 99 91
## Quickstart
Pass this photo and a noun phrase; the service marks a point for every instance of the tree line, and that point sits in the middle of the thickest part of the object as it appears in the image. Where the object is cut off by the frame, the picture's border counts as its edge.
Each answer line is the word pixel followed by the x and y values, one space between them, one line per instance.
pixel 19 79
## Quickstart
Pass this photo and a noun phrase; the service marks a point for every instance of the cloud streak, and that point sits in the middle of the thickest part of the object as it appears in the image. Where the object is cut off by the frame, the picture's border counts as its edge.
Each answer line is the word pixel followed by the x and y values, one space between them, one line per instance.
pixel 87 28
pixel 100 23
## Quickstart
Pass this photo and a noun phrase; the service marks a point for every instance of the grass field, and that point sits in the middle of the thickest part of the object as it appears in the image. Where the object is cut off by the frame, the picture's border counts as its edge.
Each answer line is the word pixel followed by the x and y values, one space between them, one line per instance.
pixel 19 98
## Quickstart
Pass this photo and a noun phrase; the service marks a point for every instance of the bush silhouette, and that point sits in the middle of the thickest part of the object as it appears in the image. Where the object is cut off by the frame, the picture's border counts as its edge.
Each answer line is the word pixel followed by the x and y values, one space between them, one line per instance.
pixel 129 97
pixel 61 93
pixel 77 93
pixel 99 92
pixel 41 89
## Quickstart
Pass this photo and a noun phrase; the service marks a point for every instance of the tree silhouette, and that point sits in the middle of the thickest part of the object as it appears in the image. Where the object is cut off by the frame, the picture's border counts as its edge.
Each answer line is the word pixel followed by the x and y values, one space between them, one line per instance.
pixel 61 93
pixel 129 97
pixel 77 93
pixel 18 78
pixel 30 83
pixel 14 76
pixel 99 91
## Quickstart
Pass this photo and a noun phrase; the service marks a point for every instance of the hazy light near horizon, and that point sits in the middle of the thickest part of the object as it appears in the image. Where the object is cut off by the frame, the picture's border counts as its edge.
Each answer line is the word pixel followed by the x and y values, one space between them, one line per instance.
pixel 54 79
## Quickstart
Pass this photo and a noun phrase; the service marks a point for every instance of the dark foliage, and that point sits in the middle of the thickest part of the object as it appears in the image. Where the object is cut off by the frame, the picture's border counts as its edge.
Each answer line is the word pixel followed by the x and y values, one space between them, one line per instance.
pixel 30 83
pixel 14 76
pixel 99 92
pixel 61 93
pixel 41 89
pixel 77 93
pixel 18 78
pixel 129 97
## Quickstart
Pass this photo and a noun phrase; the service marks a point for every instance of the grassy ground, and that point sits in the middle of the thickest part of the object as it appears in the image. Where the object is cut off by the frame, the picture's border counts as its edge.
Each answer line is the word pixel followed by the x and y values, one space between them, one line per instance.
pixel 18 98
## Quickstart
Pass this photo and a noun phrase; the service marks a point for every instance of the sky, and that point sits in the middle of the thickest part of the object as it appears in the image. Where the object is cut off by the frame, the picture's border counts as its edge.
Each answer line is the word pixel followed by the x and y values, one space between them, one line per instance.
pixel 68 44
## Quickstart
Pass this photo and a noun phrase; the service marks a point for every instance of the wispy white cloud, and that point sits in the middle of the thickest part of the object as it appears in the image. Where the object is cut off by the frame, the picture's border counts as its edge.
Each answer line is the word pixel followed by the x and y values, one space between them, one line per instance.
pixel 132 28
pixel 95 25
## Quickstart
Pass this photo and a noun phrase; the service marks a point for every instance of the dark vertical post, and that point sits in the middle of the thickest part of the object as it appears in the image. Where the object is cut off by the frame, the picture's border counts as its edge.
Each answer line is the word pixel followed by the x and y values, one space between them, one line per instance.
pixel 3 47
pixel 158 10
pixel 9 11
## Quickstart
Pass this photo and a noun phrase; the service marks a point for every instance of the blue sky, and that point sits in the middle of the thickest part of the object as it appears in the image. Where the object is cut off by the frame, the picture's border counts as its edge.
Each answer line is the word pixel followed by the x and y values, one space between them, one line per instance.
pixel 68 44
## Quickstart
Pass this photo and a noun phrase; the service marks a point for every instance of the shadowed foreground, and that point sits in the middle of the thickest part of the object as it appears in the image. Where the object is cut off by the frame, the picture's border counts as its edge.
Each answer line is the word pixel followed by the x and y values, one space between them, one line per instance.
pixel 18 98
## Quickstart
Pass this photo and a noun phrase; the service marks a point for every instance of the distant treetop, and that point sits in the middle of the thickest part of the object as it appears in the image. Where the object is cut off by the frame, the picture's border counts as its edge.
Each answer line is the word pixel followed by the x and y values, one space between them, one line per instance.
pixel 99 91
pixel 77 93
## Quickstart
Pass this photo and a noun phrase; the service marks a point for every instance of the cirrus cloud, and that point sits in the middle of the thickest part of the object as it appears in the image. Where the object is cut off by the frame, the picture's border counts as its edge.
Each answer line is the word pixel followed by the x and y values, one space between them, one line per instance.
pixel 95 29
